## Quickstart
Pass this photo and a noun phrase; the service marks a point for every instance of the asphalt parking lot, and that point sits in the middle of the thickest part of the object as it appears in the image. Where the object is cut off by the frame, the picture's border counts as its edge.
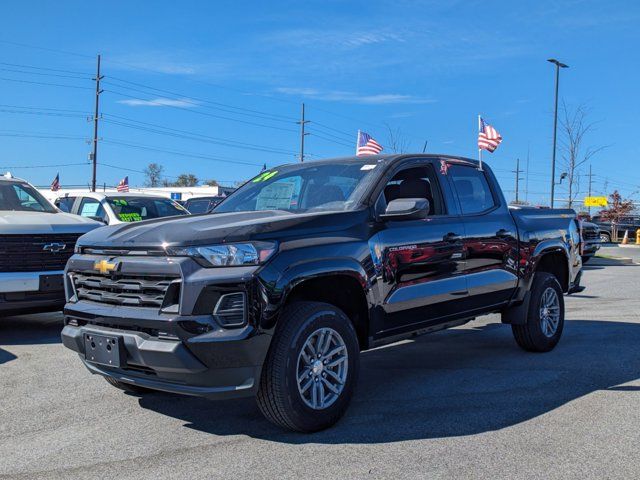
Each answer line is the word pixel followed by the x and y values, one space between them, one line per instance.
pixel 465 403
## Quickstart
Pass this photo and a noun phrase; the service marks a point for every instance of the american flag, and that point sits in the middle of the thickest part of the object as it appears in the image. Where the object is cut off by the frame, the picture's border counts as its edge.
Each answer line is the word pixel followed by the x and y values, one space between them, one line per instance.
pixel 55 185
pixel 123 186
pixel 488 137
pixel 367 145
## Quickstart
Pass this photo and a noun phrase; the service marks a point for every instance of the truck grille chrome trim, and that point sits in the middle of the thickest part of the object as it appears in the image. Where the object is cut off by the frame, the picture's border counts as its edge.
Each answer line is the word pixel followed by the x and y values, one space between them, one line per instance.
pixel 121 289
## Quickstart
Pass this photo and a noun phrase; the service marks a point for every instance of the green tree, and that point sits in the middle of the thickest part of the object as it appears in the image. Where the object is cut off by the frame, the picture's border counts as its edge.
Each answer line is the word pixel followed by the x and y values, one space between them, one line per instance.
pixel 186 180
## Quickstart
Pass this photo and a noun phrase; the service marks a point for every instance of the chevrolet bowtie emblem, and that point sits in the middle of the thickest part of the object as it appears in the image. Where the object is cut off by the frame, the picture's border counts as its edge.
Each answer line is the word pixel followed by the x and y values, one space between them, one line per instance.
pixel 104 267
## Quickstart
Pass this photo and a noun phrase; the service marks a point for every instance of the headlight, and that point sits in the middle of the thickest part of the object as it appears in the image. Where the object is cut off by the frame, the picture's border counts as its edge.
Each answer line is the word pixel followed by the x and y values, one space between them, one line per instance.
pixel 228 254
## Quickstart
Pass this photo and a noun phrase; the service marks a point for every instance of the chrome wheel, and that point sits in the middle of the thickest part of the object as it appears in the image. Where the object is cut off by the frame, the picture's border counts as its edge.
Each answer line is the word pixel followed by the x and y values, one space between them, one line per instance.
pixel 549 312
pixel 322 368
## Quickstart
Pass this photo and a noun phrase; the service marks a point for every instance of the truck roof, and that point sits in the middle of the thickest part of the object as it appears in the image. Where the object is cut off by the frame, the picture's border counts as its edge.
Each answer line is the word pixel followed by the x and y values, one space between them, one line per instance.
pixel 389 158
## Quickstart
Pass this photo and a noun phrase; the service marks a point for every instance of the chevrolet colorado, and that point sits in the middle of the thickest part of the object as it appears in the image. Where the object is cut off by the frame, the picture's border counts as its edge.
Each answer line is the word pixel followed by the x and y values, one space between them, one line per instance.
pixel 277 291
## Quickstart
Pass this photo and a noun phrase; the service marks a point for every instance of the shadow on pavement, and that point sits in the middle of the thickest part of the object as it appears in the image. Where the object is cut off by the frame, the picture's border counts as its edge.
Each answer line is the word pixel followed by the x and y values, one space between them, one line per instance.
pixel 457 382
pixel 31 329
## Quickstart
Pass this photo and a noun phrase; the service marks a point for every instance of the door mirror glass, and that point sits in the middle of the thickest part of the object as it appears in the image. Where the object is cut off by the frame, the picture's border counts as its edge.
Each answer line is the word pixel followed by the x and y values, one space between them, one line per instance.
pixel 407 209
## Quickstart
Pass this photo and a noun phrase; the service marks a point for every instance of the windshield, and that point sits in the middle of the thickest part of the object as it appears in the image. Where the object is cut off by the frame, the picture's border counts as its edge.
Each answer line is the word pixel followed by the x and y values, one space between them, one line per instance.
pixel 302 188
pixel 134 209
pixel 23 198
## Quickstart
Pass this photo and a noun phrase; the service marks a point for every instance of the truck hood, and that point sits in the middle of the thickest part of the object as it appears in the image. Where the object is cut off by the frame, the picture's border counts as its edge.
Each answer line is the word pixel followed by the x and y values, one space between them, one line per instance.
pixel 224 227
pixel 13 222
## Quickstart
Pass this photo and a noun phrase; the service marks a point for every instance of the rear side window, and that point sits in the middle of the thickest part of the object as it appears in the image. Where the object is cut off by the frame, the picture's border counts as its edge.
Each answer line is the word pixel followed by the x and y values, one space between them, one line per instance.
pixel 472 188
pixel 65 203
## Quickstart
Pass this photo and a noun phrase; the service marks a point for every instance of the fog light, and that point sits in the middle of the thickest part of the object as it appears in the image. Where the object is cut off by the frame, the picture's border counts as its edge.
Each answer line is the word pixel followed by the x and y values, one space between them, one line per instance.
pixel 230 311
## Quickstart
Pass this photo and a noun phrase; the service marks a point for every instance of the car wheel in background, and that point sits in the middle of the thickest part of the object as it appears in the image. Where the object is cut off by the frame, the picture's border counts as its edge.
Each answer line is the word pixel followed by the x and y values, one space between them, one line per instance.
pixel 311 369
pixel 605 237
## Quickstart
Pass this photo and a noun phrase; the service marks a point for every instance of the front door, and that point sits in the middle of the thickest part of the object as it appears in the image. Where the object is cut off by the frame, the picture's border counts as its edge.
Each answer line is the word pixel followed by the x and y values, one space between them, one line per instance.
pixel 420 260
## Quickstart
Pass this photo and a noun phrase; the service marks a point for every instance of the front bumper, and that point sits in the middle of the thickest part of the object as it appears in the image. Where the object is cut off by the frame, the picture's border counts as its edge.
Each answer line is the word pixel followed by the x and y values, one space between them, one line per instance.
pixel 160 351
pixel 31 292
pixel 232 367
pixel 590 249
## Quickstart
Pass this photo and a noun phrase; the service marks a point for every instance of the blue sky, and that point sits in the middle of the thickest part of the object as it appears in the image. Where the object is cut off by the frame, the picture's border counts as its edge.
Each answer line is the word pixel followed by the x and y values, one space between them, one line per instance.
pixel 229 78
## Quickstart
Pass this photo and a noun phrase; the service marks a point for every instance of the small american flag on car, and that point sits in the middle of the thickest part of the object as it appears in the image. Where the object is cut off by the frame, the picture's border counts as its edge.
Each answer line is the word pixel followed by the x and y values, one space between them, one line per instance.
pixel 123 186
pixel 366 145
pixel 55 185
pixel 488 137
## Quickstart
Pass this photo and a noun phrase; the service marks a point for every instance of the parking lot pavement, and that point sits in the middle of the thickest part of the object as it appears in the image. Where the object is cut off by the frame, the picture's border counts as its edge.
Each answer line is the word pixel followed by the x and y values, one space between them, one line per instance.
pixel 461 403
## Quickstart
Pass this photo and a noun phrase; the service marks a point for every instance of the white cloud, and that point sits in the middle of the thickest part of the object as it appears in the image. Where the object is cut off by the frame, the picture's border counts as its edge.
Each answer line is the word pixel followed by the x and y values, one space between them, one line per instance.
pixel 159 102
pixel 353 97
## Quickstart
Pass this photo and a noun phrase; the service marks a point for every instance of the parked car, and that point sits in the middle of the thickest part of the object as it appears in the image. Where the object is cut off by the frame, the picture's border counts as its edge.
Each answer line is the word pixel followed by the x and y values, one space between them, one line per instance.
pixel 36 240
pixel 590 240
pixel 197 205
pixel 114 208
pixel 277 291
pixel 630 223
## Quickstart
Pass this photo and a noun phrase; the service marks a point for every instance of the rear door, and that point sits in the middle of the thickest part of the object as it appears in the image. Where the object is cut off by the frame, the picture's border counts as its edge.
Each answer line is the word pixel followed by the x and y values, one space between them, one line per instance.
pixel 421 261
pixel 491 238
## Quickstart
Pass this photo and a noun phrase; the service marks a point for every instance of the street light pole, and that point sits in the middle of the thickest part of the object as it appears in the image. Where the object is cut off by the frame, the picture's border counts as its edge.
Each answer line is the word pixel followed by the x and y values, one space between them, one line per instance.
pixel 558 65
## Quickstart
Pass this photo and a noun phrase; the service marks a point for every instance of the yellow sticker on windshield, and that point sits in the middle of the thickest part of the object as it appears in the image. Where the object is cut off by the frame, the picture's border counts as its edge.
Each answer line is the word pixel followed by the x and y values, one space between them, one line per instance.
pixel 264 176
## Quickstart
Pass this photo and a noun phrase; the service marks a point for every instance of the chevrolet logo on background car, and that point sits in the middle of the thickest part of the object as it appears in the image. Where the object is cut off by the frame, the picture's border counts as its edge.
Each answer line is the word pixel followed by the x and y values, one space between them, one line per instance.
pixel 104 267
pixel 54 247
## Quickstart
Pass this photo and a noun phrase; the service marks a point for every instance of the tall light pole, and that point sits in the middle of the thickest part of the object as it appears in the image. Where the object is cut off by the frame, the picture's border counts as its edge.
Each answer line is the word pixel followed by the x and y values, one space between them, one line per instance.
pixel 558 65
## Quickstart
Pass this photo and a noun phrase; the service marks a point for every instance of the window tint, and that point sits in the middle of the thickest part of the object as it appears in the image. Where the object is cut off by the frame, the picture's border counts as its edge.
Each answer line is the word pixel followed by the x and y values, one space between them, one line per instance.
pixel 133 209
pixel 22 197
pixel 415 182
pixel 197 206
pixel 472 188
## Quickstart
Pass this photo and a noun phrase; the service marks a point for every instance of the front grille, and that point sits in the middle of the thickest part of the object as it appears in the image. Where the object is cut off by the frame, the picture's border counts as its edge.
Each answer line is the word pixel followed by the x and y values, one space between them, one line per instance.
pixel 27 253
pixel 129 290
pixel 590 234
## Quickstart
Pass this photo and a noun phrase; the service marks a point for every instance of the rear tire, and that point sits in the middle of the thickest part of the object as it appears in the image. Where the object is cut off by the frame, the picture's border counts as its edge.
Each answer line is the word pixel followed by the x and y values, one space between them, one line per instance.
pixel 545 317
pixel 127 387
pixel 311 369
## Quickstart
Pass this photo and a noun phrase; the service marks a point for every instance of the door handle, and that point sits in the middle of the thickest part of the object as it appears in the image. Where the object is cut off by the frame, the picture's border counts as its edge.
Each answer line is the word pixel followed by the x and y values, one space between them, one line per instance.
pixel 452 237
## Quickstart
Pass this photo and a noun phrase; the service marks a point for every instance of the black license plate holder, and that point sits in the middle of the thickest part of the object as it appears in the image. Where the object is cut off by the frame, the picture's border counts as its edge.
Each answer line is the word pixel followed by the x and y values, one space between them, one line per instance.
pixel 51 283
pixel 104 349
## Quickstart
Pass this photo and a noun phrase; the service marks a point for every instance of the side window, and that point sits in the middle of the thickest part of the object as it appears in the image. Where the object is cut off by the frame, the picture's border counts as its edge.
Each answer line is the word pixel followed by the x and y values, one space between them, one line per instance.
pixel 472 188
pixel 414 182
pixel 65 203
pixel 91 207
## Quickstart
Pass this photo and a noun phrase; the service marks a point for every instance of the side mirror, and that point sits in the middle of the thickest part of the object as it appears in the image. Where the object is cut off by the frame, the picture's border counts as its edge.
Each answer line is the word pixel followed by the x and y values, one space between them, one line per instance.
pixel 406 209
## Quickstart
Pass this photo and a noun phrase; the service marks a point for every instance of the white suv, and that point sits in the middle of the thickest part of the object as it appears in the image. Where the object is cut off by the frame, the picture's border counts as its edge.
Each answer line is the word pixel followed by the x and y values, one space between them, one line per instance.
pixel 36 240
pixel 112 208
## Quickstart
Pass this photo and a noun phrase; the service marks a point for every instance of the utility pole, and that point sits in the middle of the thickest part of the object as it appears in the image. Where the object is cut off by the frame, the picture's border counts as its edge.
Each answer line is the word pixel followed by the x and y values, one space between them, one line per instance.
pixel 96 116
pixel 424 149
pixel 558 65
pixel 526 185
pixel 590 179
pixel 517 172
pixel 302 123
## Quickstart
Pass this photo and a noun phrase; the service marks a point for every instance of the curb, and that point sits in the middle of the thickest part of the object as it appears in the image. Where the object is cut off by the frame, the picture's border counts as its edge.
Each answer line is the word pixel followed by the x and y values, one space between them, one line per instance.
pixel 608 262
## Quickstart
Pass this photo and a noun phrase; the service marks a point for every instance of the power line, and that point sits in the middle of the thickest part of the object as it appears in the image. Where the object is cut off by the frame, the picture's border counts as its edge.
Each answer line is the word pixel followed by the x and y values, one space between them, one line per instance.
pixel 276 117
pixel 85 74
pixel 193 136
pixel 45 83
pixel 178 153
pixel 13 70
pixel 42 166
pixel 150 101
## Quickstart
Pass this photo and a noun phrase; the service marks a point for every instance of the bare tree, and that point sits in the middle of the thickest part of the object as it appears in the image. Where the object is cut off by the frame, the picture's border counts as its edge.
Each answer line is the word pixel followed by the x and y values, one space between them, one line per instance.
pixel 396 141
pixel 153 173
pixel 575 127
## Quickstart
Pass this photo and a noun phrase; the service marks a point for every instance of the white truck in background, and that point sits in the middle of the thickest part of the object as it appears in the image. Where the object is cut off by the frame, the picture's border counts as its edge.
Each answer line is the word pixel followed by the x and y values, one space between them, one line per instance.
pixel 36 240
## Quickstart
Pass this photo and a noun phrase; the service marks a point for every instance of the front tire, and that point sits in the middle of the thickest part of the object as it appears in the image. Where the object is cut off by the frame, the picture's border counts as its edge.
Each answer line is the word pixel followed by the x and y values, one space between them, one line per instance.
pixel 586 259
pixel 605 237
pixel 311 369
pixel 545 317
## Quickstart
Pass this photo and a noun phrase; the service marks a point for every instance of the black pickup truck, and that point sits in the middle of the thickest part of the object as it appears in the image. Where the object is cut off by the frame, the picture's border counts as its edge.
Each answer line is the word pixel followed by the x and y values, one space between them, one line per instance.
pixel 277 291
